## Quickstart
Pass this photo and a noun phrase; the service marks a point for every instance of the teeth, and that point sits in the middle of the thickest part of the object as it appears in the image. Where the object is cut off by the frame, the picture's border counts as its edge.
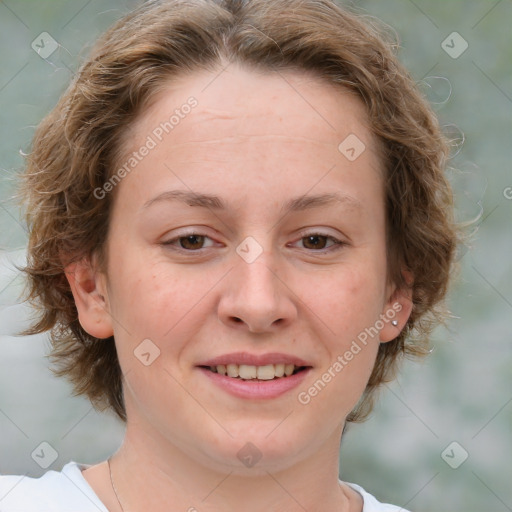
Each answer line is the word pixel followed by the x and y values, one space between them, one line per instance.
pixel 288 369
pixel 232 370
pixel 248 372
pixel 266 372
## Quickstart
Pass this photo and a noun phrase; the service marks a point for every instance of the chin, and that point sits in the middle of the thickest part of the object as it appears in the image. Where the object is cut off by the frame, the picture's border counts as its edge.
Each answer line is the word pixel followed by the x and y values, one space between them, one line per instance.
pixel 257 451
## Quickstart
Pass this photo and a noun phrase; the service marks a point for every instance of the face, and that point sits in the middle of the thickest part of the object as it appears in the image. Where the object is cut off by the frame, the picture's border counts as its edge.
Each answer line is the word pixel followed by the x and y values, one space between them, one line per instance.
pixel 246 236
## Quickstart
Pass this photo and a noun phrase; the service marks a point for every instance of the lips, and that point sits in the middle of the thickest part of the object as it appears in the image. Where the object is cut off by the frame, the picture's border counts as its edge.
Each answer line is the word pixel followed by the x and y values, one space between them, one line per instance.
pixel 256 389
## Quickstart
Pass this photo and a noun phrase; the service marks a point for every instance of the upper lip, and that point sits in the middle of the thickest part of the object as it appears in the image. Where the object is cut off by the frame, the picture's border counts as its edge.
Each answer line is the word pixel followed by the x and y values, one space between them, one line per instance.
pixel 254 359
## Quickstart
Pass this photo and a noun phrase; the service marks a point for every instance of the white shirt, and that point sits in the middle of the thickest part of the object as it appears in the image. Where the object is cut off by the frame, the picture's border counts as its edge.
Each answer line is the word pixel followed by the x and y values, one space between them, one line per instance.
pixel 69 491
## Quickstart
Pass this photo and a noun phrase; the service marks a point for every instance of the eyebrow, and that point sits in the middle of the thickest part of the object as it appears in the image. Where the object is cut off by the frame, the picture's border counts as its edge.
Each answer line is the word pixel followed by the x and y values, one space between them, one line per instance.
pixel 214 202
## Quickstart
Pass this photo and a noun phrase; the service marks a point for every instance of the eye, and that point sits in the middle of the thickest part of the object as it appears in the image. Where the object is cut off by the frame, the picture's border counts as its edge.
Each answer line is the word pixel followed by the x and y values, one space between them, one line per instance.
pixel 189 242
pixel 319 241
pixel 193 242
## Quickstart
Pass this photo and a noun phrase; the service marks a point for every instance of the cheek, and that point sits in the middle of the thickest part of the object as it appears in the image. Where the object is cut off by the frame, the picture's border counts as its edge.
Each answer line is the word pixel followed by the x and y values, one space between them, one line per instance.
pixel 351 309
pixel 145 298
pixel 160 302
pixel 353 299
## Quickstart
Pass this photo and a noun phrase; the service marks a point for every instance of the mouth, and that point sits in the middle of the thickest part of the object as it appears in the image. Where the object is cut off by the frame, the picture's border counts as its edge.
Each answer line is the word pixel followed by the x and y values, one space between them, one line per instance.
pixel 248 372
pixel 256 376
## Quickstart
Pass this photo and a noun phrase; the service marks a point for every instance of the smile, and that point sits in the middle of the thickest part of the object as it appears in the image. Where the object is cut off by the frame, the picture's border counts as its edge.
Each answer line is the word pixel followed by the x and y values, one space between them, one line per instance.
pixel 251 372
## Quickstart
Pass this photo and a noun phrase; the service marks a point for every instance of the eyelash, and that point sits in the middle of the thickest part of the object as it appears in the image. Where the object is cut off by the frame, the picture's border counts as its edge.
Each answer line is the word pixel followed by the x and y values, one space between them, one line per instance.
pixel 336 245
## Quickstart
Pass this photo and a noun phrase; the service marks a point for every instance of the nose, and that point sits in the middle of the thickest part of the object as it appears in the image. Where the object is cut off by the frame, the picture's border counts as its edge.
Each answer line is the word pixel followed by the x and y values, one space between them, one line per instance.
pixel 257 298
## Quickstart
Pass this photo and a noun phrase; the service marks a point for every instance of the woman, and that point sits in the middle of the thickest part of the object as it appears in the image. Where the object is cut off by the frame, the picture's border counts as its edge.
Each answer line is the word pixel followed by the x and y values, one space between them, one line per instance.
pixel 239 224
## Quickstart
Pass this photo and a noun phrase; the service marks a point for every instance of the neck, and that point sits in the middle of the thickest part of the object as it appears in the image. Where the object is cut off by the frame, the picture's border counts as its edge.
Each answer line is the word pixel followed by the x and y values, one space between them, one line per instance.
pixel 160 473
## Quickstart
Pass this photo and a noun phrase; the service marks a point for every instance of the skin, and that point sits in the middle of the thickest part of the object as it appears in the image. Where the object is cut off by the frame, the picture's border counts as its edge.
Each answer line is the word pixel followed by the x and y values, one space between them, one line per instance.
pixel 256 140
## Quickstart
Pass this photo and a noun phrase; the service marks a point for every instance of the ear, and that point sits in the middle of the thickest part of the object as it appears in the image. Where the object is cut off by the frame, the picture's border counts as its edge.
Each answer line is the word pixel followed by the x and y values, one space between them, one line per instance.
pixel 89 289
pixel 398 308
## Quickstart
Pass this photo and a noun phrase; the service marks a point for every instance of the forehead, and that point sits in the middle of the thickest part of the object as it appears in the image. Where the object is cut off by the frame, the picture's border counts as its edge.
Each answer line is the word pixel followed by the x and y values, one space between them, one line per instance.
pixel 289 104
pixel 254 135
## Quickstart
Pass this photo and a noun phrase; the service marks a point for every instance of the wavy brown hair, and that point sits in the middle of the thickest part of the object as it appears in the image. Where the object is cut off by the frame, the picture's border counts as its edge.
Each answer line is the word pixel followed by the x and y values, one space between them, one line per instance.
pixel 76 149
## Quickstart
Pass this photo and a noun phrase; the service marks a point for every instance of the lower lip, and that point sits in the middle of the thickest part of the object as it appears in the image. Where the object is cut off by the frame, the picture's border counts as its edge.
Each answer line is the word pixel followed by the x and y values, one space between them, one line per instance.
pixel 256 388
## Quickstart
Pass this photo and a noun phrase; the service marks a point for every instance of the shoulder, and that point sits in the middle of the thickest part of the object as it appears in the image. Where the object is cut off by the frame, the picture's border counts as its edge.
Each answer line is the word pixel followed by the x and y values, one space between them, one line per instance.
pixel 371 504
pixel 55 491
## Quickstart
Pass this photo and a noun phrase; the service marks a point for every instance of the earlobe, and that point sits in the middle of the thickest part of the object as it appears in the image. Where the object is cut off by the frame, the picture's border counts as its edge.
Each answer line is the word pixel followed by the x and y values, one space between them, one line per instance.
pixel 88 287
pixel 397 311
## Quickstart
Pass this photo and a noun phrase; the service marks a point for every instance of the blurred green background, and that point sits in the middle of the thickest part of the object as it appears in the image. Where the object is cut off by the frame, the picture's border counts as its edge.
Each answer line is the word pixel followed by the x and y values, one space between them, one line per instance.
pixel 462 393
